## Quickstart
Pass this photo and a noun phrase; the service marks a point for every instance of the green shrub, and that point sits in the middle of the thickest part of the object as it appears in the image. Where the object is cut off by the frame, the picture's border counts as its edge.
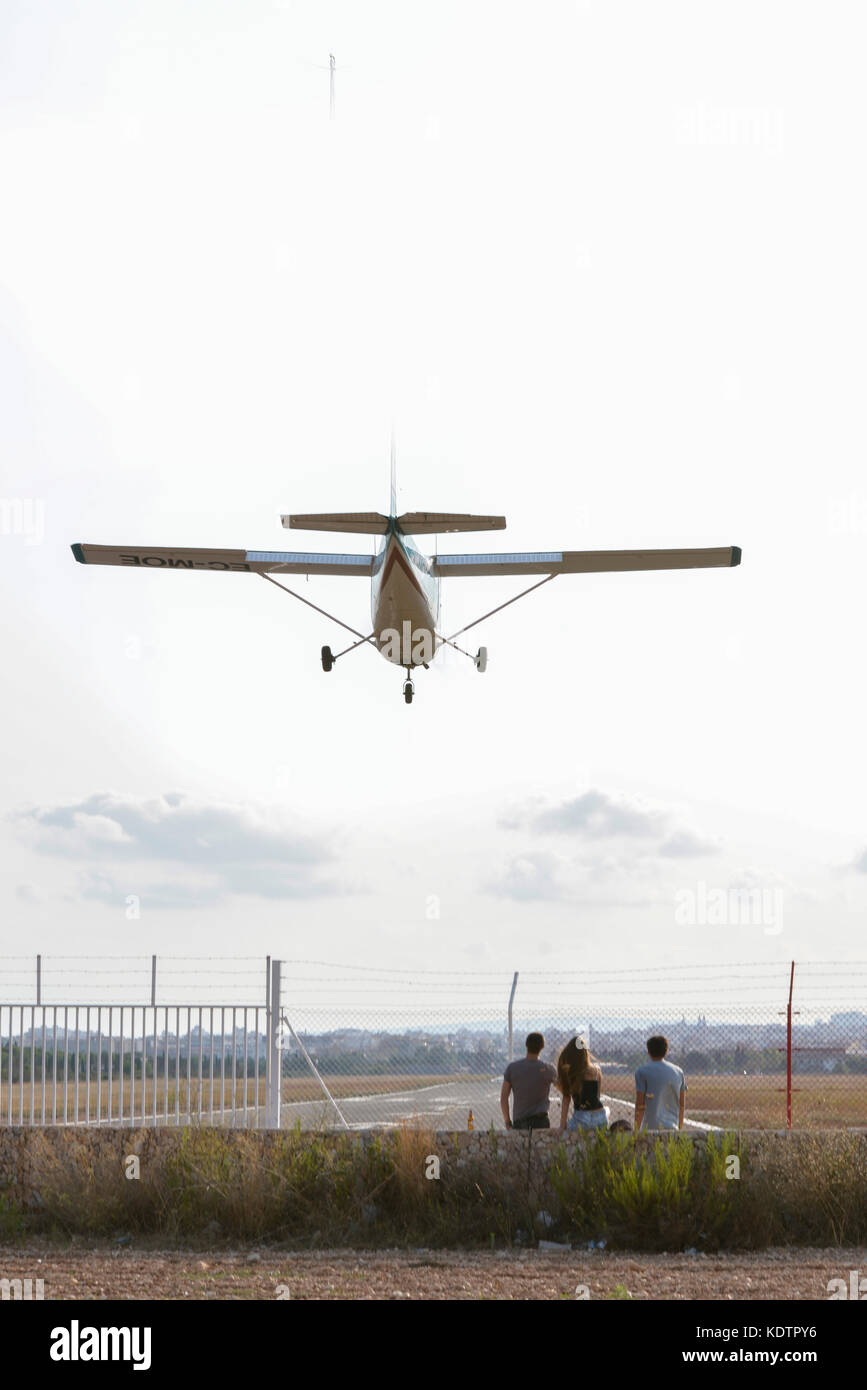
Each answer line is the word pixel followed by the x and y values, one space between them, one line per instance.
pixel 672 1195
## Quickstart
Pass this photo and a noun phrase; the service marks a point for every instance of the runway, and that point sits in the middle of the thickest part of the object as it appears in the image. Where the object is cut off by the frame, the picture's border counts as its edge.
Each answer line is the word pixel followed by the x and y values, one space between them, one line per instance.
pixel 442 1107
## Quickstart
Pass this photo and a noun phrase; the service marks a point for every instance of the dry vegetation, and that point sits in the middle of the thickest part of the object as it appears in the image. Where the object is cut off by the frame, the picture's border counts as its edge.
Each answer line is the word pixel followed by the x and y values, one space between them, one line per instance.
pixel 192 1100
pixel 309 1192
pixel 759 1102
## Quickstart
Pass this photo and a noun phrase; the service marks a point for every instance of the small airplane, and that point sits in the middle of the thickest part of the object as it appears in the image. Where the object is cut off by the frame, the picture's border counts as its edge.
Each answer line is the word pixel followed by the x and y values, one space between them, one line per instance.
pixel 404 583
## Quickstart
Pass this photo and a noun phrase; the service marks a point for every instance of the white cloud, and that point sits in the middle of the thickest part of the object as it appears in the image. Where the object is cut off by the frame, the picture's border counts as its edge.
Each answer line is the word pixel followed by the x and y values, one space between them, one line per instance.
pixel 686 844
pixel 529 877
pixel 598 814
pixel 620 845
pixel 216 849
pixel 102 830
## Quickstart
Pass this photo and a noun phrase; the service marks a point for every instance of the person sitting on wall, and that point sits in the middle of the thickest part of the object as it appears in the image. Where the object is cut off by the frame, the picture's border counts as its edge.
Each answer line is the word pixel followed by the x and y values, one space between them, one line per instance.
pixel 579 1078
pixel 660 1090
pixel 528 1081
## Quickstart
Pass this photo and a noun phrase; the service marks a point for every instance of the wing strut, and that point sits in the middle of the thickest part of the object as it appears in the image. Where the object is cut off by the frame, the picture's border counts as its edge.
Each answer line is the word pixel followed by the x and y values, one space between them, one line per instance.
pixel 359 643
pixel 339 623
pixel 522 594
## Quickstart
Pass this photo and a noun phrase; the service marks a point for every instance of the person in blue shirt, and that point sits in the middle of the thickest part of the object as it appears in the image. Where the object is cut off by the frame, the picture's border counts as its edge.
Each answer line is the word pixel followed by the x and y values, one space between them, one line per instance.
pixel 660 1090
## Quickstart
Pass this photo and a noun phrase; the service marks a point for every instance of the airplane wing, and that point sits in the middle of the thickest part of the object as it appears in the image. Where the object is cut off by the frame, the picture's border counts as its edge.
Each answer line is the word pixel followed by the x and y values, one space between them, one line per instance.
pixel 242 561
pixel 585 561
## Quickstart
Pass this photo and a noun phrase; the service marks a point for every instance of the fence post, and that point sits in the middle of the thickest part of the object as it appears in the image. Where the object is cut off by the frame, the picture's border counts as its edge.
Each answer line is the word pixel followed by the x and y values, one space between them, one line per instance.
pixel 154 994
pixel 789 1051
pixel 275 1071
pixel 38 979
pixel 268 1069
pixel 511 1002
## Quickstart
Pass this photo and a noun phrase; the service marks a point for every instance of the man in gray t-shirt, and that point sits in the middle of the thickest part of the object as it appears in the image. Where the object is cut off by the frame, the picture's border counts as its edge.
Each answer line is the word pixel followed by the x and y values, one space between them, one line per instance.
pixel 528 1082
pixel 660 1090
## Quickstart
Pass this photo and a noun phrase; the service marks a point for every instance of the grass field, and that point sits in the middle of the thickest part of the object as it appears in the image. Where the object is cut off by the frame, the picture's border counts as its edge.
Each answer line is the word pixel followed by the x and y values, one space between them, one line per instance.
pixel 759 1102
pixel 177 1098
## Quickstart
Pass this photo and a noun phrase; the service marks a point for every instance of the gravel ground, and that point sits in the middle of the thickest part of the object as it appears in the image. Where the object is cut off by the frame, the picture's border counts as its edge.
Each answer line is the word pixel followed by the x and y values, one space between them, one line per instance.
pixel 111 1272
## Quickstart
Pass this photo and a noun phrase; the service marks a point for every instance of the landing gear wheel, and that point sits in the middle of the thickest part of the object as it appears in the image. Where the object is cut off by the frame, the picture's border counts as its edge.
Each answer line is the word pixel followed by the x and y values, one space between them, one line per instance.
pixel 408 691
pixel 327 658
pixel 482 659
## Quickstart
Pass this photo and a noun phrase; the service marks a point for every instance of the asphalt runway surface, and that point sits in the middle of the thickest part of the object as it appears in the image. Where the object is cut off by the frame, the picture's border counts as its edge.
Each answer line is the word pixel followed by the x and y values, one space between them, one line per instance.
pixel 442 1107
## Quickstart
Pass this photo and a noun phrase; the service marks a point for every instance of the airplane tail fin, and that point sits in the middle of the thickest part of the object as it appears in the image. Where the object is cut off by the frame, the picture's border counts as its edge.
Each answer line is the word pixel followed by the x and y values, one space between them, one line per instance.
pixel 393 507
pixel 375 524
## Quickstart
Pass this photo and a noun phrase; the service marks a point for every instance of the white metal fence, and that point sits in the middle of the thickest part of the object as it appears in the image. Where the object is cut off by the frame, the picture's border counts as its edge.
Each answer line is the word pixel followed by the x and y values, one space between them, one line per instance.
pixel 147 1063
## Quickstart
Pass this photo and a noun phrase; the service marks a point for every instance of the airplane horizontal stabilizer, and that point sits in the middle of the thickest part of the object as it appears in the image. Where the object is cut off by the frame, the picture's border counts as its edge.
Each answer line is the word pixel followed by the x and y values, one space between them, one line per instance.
pixel 438 523
pixel 358 523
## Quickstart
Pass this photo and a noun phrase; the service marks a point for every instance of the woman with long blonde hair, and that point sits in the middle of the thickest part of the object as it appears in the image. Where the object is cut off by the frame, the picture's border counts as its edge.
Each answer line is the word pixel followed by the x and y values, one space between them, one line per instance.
pixel 579 1079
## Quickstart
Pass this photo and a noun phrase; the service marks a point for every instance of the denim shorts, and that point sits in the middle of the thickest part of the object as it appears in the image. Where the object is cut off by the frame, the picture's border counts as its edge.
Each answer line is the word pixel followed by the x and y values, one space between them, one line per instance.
pixel 589 1119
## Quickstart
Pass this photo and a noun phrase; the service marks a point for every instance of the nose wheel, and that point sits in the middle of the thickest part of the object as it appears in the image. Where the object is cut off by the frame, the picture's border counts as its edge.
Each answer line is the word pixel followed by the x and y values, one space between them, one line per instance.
pixel 327 658
pixel 408 688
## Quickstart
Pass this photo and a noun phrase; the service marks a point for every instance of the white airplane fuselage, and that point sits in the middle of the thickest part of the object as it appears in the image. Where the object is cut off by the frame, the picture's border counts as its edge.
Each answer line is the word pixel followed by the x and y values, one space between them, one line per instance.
pixel 404 601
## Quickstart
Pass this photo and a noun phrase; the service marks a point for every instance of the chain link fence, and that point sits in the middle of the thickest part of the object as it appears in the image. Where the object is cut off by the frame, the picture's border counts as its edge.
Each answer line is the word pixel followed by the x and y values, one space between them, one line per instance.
pixel 428 1048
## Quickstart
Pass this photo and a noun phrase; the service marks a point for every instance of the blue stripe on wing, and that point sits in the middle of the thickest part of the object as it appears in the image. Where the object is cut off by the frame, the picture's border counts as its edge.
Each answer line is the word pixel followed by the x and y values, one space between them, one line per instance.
pixel 533 557
pixel 294 557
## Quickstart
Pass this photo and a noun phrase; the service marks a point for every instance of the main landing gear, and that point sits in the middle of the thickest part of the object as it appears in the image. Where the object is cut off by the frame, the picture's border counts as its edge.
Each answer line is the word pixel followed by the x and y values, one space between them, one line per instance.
pixel 328 659
pixel 480 661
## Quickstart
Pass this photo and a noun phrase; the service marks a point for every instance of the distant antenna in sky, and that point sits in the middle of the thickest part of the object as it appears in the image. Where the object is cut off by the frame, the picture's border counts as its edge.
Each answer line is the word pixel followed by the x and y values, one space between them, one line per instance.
pixel 332 69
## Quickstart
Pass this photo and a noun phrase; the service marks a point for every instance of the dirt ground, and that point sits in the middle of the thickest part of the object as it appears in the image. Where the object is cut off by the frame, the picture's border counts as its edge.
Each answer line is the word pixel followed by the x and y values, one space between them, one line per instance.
pixel 107 1271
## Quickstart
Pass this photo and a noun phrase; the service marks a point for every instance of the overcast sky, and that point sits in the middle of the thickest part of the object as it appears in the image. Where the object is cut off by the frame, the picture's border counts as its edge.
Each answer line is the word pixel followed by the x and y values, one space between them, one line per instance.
pixel 601 269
